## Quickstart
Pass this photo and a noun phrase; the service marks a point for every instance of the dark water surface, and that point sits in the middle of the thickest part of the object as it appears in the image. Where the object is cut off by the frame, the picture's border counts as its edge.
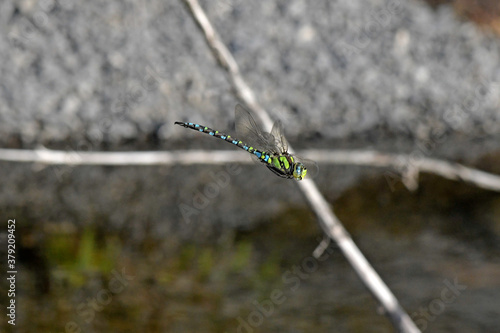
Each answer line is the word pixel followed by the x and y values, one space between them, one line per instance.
pixel 437 249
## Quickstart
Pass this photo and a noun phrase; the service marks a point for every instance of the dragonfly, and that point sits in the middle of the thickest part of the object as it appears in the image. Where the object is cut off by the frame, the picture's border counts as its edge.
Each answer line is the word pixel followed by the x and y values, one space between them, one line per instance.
pixel 270 149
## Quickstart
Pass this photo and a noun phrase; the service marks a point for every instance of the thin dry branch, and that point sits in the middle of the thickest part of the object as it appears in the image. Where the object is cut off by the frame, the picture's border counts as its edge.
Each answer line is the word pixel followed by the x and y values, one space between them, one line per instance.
pixel 368 158
pixel 48 156
pixel 402 162
pixel 329 222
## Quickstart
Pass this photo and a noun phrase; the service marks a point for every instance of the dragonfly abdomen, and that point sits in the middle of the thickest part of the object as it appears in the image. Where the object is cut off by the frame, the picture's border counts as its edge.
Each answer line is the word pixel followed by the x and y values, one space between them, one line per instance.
pixel 275 148
pixel 261 155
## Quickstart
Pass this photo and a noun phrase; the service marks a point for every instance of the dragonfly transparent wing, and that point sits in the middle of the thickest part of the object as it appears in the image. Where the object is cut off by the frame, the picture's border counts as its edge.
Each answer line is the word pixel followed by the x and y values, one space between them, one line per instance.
pixel 251 134
pixel 311 166
pixel 279 137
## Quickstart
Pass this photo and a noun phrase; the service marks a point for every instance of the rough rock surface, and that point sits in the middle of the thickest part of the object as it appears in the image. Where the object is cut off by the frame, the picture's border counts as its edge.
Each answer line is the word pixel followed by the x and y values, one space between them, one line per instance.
pixel 115 75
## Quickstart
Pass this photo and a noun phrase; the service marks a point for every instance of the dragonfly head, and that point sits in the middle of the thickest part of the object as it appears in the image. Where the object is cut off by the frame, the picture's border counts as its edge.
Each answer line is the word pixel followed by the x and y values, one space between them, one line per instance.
pixel 299 171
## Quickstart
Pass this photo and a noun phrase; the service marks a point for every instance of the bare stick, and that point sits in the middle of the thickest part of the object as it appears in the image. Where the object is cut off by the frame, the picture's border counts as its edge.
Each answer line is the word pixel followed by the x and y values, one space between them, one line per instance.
pixel 329 222
pixel 368 158
pixel 226 60
pixel 47 156
pixel 403 162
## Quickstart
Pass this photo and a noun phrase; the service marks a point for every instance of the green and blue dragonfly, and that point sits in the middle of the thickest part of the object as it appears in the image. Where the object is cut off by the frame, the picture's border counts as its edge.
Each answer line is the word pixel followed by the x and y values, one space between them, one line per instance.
pixel 269 148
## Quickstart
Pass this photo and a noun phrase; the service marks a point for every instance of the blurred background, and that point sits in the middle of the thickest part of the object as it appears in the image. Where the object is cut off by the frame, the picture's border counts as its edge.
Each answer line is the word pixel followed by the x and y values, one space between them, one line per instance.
pixel 142 249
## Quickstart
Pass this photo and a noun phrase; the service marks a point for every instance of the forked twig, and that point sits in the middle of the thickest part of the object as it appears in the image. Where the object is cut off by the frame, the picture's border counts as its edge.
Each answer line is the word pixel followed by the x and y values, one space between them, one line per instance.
pixel 448 170
pixel 329 222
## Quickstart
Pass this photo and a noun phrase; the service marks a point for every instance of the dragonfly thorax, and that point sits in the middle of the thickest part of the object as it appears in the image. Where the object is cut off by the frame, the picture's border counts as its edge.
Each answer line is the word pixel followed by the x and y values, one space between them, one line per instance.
pixel 268 148
pixel 285 165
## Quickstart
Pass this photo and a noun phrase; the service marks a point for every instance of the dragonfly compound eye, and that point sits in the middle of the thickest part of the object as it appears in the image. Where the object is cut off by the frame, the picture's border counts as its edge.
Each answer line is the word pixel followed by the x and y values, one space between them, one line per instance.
pixel 300 171
pixel 269 148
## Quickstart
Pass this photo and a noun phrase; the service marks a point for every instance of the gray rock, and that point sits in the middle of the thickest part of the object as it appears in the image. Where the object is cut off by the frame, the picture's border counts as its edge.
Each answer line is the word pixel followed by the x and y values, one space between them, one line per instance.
pixel 113 75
